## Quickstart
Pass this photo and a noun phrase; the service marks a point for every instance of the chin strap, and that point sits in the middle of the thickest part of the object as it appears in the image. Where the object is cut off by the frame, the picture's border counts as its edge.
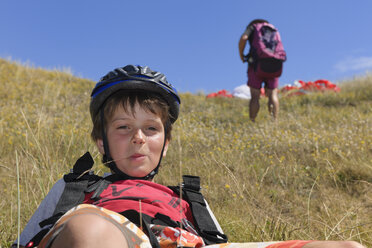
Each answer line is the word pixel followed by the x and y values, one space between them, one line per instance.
pixel 109 162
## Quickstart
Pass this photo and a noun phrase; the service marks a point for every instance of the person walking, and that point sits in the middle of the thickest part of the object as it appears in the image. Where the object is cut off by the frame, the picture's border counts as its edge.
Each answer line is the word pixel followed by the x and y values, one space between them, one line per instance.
pixel 265 64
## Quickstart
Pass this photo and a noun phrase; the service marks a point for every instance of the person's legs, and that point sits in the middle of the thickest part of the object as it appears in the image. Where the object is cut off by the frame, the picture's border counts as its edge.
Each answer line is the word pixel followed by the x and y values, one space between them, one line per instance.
pixel 333 244
pixel 294 244
pixel 273 103
pixel 90 226
pixel 89 230
pixel 254 84
pixel 254 103
pixel 314 244
pixel 271 89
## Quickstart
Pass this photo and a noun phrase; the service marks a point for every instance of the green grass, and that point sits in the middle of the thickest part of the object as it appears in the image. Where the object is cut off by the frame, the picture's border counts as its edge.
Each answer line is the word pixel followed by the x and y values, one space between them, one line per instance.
pixel 309 176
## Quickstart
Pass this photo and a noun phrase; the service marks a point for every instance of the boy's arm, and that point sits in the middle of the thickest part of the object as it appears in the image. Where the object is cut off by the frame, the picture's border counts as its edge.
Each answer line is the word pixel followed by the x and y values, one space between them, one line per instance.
pixel 44 211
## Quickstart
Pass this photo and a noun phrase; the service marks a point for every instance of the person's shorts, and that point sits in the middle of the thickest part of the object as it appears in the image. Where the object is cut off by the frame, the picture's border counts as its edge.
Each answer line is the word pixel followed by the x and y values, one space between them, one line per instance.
pixel 168 237
pixel 255 80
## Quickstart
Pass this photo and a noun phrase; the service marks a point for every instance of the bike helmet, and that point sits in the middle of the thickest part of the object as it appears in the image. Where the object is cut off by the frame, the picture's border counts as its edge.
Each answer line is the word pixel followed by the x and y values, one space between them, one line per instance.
pixel 131 78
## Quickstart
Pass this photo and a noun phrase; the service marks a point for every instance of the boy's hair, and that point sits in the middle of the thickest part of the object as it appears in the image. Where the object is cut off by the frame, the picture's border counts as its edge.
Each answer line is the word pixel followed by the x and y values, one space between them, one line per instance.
pixel 149 101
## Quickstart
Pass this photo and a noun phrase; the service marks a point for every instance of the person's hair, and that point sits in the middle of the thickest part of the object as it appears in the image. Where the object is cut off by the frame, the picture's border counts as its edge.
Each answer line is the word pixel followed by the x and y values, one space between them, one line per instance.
pixel 151 102
pixel 257 21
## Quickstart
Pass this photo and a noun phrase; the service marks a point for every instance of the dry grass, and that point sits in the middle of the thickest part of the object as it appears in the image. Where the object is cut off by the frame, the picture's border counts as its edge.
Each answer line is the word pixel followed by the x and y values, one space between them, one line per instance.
pixel 308 176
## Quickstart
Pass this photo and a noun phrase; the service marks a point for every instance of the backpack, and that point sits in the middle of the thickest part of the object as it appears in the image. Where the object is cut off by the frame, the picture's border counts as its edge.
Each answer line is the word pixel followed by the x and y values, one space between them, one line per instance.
pixel 79 182
pixel 267 50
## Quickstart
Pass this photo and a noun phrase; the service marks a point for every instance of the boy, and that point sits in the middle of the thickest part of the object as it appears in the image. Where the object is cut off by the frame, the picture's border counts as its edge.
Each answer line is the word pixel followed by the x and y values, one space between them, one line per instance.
pixel 132 109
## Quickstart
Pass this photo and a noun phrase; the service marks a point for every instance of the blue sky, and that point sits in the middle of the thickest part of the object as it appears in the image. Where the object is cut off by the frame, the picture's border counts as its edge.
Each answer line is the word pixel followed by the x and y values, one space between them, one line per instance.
pixel 194 43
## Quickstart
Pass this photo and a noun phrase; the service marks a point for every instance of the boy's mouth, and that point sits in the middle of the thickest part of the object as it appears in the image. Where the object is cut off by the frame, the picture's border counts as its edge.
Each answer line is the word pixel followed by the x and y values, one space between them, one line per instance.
pixel 136 156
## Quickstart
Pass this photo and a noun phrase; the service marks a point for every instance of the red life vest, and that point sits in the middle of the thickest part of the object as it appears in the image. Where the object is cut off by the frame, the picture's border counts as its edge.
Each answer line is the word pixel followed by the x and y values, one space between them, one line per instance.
pixel 157 203
pixel 142 196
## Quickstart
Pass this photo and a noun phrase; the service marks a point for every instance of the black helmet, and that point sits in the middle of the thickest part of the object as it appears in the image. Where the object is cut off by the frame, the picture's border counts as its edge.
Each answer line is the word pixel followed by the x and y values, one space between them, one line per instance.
pixel 133 77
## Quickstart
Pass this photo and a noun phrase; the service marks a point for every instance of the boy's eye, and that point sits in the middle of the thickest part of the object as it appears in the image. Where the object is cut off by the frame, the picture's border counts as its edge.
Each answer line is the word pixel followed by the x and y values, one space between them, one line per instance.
pixel 123 127
pixel 153 128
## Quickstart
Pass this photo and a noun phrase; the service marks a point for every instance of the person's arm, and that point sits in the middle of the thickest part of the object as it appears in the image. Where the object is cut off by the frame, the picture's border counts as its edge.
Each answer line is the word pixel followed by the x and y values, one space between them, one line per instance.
pixel 44 211
pixel 242 42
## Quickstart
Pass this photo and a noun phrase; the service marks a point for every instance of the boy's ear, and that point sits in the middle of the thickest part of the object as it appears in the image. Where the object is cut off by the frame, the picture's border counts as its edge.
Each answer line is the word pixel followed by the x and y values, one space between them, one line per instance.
pixel 165 148
pixel 100 147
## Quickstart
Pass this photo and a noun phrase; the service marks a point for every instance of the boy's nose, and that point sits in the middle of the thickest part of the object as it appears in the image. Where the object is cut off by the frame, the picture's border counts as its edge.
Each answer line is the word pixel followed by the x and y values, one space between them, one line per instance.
pixel 138 137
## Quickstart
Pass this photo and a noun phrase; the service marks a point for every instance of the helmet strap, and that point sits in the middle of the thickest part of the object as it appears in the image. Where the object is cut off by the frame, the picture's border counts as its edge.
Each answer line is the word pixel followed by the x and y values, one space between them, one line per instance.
pixel 106 159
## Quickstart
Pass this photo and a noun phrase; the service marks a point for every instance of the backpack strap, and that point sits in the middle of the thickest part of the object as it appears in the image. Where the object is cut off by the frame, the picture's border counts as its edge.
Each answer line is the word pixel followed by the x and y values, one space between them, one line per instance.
pixel 77 181
pixel 143 221
pixel 100 185
pixel 204 222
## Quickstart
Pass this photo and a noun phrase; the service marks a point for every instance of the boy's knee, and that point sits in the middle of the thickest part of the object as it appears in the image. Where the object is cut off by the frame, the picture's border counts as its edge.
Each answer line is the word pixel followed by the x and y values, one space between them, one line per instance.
pixel 90 230
pixel 88 225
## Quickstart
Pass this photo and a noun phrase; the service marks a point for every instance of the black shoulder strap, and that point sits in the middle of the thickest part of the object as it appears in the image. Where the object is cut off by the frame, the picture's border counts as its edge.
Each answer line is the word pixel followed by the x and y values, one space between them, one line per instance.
pixel 76 184
pixel 73 194
pixel 203 220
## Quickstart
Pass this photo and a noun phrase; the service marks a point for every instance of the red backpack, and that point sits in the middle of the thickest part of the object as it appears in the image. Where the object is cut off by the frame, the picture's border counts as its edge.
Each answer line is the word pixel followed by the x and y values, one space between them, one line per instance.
pixel 267 50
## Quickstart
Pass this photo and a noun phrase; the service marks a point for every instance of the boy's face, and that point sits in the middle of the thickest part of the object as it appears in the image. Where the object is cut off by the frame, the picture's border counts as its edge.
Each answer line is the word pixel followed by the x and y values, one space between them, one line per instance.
pixel 135 140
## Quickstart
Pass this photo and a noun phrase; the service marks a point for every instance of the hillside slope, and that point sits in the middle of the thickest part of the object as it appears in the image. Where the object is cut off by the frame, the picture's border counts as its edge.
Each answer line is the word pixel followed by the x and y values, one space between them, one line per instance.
pixel 309 176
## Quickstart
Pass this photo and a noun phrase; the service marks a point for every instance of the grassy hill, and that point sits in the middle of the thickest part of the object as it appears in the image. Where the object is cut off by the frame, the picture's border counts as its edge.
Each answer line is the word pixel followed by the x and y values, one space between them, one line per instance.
pixel 309 176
